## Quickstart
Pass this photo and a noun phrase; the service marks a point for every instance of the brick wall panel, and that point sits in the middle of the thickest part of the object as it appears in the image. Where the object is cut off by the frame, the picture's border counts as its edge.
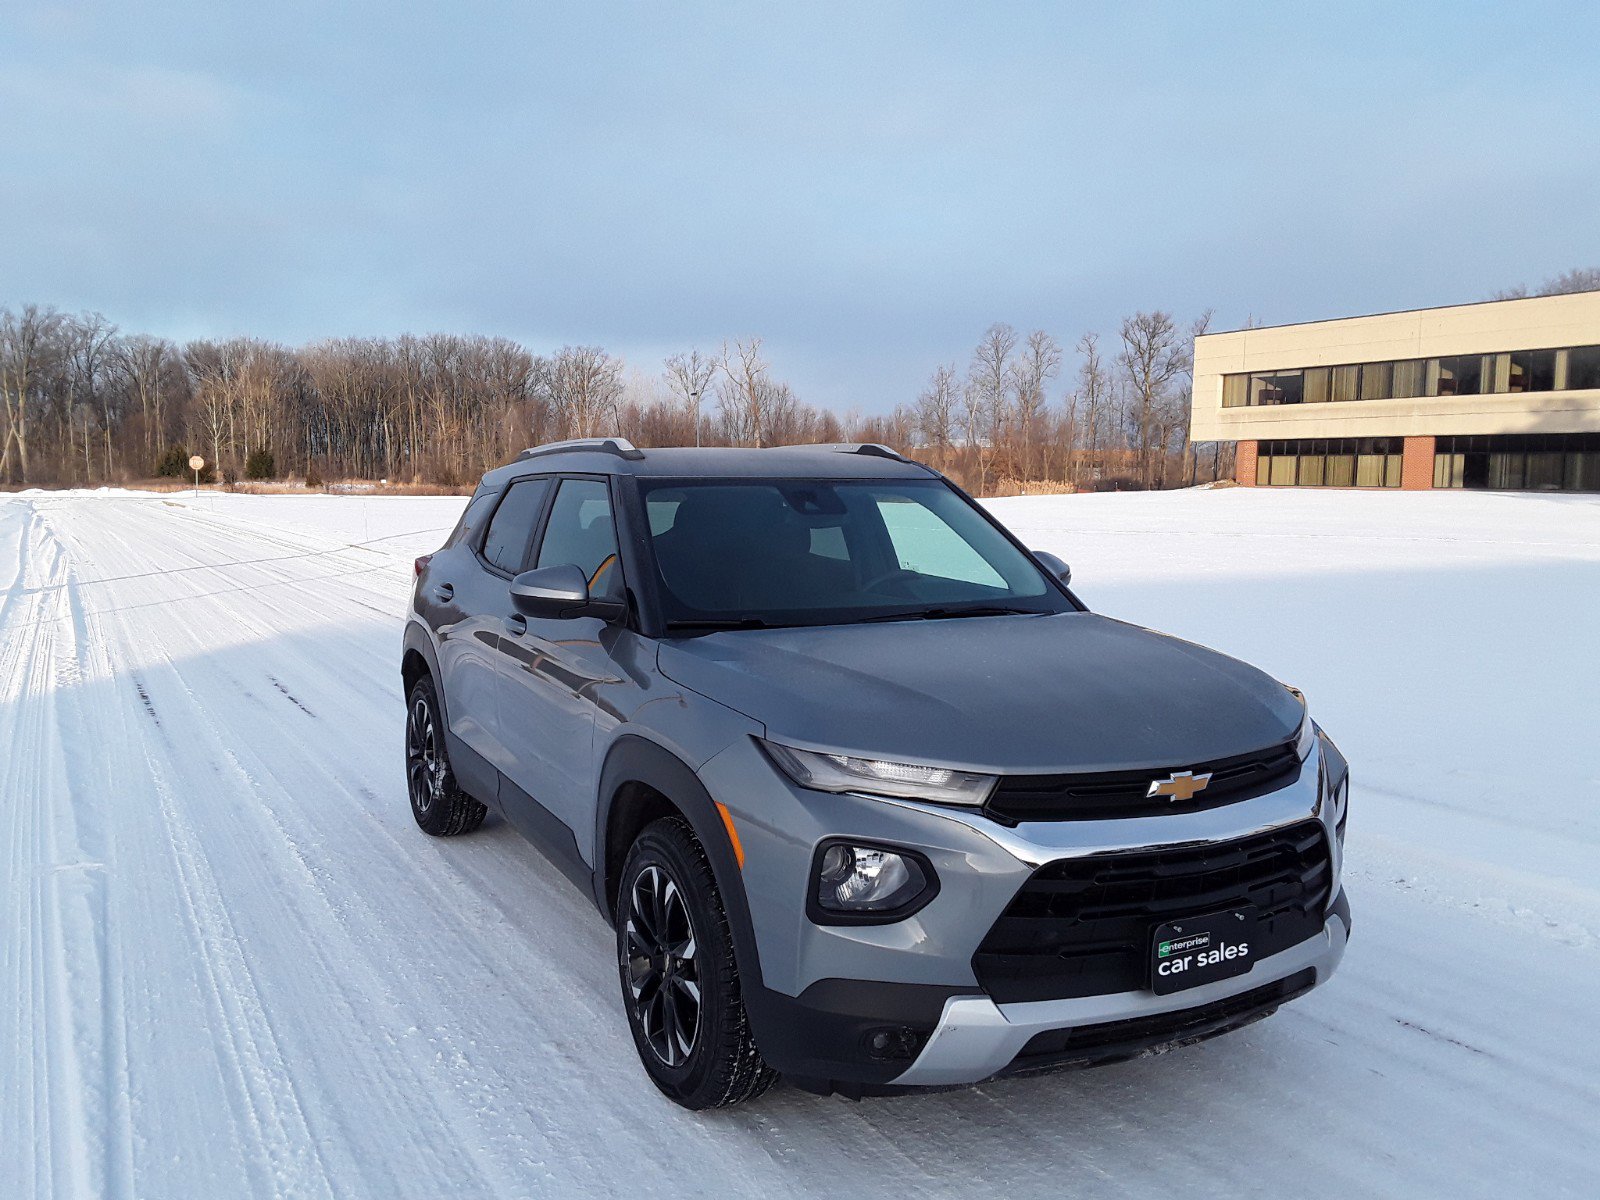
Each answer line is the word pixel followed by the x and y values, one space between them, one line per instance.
pixel 1244 464
pixel 1416 464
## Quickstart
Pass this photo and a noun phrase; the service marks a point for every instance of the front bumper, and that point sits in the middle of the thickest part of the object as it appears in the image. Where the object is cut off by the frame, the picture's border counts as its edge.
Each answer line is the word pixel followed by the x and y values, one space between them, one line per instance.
pixel 826 992
pixel 977 1038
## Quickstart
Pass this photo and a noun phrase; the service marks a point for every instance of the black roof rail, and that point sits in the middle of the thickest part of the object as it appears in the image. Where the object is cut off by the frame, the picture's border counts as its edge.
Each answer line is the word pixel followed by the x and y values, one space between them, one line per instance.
pixel 620 446
pixel 875 449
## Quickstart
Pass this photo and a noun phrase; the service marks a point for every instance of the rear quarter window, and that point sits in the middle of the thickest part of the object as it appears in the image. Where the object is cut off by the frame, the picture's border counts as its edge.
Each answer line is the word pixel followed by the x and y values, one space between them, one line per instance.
pixel 482 500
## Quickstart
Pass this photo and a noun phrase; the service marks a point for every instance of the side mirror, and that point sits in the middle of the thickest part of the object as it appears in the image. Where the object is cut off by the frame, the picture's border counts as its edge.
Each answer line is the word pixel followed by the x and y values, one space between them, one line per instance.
pixel 1055 566
pixel 560 592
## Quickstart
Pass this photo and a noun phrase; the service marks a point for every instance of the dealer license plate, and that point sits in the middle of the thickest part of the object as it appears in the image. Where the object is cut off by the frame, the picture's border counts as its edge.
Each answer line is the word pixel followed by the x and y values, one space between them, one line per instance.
pixel 1201 950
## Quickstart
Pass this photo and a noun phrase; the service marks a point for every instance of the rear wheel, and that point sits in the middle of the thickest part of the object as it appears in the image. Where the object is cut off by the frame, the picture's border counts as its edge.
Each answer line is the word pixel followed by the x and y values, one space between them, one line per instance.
pixel 437 801
pixel 680 983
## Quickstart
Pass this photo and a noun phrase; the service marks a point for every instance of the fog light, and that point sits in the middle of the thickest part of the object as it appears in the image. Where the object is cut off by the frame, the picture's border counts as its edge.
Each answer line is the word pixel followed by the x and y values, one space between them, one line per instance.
pixel 870 881
pixel 893 1042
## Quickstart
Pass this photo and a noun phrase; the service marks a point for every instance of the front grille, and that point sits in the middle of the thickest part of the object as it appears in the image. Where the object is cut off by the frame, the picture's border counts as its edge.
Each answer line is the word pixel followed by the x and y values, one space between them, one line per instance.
pixel 1082 926
pixel 1088 1044
pixel 1111 794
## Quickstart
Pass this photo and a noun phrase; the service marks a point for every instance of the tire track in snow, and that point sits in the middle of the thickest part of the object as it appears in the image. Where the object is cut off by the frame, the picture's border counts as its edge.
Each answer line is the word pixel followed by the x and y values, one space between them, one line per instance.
pixel 277 1148
pixel 71 1016
pixel 252 799
pixel 24 1113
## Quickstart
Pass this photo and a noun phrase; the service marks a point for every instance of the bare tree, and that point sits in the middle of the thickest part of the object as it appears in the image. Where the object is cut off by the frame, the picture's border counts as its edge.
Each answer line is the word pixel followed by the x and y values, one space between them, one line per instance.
pixel 1178 413
pixel 935 411
pixel 1038 362
pixel 1578 279
pixel 26 339
pixel 1094 395
pixel 213 369
pixel 585 386
pixel 89 340
pixel 746 393
pixel 151 368
pixel 985 394
pixel 689 375
pixel 1153 355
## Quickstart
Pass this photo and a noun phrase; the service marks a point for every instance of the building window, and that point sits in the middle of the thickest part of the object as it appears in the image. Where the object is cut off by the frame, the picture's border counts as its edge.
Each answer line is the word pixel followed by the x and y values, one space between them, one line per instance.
pixel 1460 376
pixel 1317 384
pixel 1568 462
pixel 1369 470
pixel 1375 380
pixel 1447 470
pixel 1330 462
pixel 1544 471
pixel 1410 378
pixel 1284 387
pixel 1583 367
pixel 1512 371
pixel 1531 371
pixel 1346 383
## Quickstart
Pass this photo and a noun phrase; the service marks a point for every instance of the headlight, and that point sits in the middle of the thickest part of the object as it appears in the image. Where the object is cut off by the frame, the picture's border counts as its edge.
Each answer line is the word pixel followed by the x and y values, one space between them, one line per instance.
pixel 843 773
pixel 857 884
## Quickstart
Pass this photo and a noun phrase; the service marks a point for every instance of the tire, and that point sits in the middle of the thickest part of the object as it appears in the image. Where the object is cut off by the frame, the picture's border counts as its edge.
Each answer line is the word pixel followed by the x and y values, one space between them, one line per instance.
pixel 437 801
pixel 667 899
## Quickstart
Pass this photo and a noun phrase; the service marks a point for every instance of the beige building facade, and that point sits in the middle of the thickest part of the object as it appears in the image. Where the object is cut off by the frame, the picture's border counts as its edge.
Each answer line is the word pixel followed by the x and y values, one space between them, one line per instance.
pixel 1504 394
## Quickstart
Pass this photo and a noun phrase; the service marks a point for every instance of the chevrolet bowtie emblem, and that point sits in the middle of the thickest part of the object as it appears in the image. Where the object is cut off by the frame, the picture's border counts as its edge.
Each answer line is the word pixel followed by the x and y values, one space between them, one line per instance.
pixel 1180 785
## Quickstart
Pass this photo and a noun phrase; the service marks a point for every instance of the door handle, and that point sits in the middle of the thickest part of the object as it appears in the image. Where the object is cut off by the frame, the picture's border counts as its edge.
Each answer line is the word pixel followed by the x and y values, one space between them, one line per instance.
pixel 517 624
pixel 445 591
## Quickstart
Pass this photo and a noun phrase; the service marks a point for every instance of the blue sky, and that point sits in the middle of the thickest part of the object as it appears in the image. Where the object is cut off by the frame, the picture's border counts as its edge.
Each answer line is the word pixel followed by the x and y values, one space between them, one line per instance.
pixel 866 185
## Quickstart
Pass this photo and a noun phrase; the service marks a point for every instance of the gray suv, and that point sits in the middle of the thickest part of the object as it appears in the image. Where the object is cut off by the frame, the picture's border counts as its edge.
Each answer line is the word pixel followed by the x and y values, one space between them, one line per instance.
pixel 868 794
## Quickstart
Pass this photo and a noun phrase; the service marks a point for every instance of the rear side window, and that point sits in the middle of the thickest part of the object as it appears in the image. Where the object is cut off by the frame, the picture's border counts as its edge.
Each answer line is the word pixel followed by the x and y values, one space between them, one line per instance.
pixel 580 531
pixel 511 528
pixel 481 499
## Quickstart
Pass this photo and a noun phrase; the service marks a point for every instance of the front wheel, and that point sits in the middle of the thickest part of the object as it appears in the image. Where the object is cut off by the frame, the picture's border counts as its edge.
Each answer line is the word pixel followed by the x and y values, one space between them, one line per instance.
pixel 680 983
pixel 437 801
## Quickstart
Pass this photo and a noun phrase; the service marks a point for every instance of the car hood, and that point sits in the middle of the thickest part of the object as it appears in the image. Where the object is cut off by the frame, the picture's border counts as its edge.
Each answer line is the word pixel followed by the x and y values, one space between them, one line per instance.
pixel 1066 692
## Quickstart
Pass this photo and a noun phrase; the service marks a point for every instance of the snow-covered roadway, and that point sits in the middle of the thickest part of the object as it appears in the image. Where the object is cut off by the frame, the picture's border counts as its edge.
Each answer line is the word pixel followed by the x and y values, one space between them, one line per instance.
pixel 231 966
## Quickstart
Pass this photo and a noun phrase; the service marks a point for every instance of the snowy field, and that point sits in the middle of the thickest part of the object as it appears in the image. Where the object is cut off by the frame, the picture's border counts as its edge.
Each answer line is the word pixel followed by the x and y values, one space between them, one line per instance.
pixel 231 966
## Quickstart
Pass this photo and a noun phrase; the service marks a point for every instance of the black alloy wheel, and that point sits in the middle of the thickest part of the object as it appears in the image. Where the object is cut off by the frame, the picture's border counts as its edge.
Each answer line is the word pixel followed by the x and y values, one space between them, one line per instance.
pixel 663 970
pixel 437 801
pixel 680 978
pixel 425 766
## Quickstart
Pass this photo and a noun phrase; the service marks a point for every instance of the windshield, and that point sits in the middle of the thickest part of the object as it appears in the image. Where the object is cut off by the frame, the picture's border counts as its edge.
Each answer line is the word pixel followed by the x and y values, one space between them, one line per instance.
pixel 807 552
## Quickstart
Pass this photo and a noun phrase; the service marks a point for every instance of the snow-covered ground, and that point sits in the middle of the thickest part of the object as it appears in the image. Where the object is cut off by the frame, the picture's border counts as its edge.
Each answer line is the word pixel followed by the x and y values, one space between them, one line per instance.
pixel 231 966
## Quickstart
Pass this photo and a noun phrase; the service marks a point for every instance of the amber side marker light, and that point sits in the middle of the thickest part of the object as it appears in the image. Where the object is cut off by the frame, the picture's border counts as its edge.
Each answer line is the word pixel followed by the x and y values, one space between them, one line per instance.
pixel 733 834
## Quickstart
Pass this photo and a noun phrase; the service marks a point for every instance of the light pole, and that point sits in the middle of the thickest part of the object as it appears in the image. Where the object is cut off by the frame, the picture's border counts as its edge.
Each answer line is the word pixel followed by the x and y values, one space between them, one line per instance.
pixel 694 411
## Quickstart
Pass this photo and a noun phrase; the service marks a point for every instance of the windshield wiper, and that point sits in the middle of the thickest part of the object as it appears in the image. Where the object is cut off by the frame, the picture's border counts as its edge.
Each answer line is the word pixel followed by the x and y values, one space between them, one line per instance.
pixel 730 623
pixel 940 614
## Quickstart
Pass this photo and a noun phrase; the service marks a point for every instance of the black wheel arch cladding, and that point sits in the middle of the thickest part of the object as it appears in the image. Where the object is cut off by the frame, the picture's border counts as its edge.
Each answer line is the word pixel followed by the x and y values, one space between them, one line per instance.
pixel 635 759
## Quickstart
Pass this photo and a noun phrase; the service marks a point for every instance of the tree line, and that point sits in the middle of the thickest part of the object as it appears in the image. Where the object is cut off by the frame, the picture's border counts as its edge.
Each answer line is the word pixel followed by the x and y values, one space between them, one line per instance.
pixel 1122 420
pixel 82 403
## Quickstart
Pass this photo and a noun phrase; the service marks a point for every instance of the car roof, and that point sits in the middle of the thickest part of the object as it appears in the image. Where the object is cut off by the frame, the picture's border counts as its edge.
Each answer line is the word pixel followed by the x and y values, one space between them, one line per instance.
pixel 617 457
